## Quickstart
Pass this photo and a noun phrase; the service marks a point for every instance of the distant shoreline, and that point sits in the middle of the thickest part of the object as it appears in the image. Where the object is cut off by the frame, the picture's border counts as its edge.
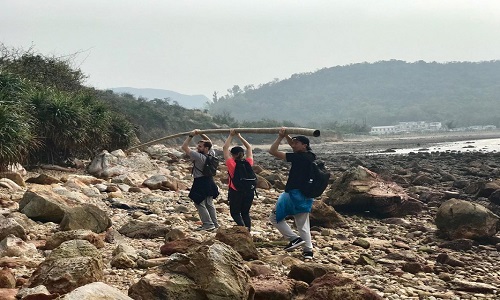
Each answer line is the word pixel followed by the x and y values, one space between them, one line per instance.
pixel 370 143
pixel 438 137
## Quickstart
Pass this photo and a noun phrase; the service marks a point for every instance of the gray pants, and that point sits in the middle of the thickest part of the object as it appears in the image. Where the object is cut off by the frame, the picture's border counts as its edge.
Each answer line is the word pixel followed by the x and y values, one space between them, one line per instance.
pixel 303 227
pixel 207 212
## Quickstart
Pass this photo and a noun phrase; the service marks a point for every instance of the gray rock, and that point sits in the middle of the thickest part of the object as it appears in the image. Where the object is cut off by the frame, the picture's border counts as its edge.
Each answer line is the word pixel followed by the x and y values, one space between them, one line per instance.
pixel 462 219
pixel 73 264
pixel 9 226
pixel 87 216
pixel 95 291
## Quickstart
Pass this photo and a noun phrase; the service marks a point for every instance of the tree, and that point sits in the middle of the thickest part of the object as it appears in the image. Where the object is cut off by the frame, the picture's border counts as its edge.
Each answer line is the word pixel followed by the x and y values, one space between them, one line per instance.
pixel 214 97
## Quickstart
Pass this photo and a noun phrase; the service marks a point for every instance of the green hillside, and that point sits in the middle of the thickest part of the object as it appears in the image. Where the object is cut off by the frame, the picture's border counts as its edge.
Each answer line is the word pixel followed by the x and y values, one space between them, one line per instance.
pixel 48 115
pixel 381 93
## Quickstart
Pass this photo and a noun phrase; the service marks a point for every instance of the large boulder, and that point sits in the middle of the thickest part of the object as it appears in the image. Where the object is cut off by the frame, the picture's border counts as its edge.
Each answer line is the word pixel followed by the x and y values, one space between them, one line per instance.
pixel 213 271
pixel 308 271
pixel 161 182
pixel 277 288
pixel 360 190
pixel 73 264
pixel 95 291
pixel 487 188
pixel 105 165
pixel 7 279
pixel 124 256
pixel 460 219
pixel 15 247
pixel 324 215
pixel 9 226
pixel 80 234
pixel 240 240
pixel 334 287
pixel 143 230
pixel 178 246
pixel 15 177
pixel 9 184
pixel 87 216
pixel 108 165
pixel 42 204
pixel 157 286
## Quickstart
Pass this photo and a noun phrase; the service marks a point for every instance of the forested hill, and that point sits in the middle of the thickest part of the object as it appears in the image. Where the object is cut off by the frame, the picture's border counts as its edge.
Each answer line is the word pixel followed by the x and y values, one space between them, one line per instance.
pixel 381 93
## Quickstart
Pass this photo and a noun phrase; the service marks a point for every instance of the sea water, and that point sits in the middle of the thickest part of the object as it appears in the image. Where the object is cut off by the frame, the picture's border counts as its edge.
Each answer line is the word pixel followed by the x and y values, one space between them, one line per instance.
pixel 484 145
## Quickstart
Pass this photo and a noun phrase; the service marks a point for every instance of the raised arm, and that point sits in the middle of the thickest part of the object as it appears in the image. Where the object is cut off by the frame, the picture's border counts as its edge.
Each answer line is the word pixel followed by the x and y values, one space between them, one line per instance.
pixel 185 145
pixel 249 153
pixel 203 136
pixel 227 144
pixel 288 140
pixel 274 147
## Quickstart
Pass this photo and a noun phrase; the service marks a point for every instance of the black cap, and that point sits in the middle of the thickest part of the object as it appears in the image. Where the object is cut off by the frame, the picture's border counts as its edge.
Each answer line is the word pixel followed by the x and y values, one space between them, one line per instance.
pixel 236 150
pixel 304 140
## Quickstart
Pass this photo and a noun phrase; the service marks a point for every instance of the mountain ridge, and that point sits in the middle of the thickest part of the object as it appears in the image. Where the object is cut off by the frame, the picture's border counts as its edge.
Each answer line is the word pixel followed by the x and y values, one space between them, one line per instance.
pixel 380 93
pixel 186 101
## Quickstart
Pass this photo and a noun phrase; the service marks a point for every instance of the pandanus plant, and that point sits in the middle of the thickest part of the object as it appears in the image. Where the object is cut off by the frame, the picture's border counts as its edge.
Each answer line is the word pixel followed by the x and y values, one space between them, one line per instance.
pixel 16 124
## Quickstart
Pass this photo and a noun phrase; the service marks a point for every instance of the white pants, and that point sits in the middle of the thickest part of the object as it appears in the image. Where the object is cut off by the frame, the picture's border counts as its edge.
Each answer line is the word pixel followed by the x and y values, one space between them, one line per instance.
pixel 303 227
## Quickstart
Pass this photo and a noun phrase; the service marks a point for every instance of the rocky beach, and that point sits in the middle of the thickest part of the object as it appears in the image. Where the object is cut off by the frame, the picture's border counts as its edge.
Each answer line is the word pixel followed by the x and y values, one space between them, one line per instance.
pixel 395 242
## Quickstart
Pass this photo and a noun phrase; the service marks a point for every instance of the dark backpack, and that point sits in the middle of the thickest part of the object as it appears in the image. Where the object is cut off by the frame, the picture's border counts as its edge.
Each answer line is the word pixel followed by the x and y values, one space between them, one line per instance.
pixel 210 166
pixel 244 179
pixel 318 180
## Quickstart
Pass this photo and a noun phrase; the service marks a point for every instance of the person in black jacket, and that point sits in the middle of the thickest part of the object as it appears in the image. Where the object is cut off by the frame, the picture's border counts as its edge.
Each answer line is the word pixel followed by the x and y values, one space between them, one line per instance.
pixel 292 201
pixel 204 189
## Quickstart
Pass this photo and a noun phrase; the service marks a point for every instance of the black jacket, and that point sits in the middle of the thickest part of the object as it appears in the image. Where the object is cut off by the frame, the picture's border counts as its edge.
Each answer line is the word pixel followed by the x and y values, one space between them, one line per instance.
pixel 202 188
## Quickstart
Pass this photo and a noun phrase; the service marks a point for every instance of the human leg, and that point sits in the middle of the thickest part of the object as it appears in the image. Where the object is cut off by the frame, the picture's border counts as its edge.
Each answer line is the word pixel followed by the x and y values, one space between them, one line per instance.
pixel 204 214
pixel 235 205
pixel 211 210
pixel 304 229
pixel 245 209
pixel 282 227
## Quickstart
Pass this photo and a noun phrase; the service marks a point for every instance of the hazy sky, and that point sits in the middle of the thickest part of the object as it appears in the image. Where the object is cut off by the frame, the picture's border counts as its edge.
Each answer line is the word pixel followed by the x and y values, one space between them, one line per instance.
pixel 198 47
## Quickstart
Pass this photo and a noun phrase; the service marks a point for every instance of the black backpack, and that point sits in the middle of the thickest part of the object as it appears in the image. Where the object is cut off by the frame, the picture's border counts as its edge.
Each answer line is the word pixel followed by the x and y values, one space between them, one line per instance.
pixel 210 166
pixel 244 179
pixel 317 182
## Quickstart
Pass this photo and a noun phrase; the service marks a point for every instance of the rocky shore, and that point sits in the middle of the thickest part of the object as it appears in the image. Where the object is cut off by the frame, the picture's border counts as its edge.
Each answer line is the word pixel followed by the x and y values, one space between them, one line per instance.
pixel 403 257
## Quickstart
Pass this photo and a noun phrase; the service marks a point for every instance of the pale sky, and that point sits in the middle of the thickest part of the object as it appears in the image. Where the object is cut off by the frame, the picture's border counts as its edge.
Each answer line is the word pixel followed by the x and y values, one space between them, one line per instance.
pixel 198 47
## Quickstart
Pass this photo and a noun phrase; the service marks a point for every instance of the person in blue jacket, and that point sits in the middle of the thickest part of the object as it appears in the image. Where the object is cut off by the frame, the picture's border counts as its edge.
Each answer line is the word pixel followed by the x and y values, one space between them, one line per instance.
pixel 292 201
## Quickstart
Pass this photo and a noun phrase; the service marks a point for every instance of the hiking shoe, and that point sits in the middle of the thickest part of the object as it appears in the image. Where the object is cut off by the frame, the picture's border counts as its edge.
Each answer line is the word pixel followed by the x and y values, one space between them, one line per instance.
pixel 307 255
pixel 209 228
pixel 294 244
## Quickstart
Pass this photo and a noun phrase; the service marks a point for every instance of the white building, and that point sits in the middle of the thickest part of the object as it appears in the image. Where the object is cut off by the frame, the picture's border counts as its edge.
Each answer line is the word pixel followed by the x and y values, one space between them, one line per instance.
pixel 383 129
pixel 403 127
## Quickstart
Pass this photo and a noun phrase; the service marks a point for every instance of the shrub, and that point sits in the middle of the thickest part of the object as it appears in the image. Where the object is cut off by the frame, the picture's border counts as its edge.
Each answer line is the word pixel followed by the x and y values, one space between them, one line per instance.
pixel 16 124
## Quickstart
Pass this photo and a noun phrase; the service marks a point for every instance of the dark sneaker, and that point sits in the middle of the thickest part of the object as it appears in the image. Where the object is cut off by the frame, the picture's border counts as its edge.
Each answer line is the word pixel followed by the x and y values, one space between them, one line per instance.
pixel 294 244
pixel 209 228
pixel 307 255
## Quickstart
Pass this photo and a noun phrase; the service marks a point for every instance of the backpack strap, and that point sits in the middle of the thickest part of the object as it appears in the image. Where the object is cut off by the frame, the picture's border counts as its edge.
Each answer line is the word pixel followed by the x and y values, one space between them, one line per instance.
pixel 229 175
pixel 194 165
pixel 231 178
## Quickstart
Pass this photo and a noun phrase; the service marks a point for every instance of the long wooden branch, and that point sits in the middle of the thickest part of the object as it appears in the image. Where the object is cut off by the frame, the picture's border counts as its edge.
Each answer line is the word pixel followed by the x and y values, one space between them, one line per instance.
pixel 288 130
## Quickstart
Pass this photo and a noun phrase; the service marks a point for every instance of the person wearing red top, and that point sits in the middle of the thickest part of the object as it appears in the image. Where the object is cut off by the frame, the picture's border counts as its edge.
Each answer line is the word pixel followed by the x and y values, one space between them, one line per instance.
pixel 240 202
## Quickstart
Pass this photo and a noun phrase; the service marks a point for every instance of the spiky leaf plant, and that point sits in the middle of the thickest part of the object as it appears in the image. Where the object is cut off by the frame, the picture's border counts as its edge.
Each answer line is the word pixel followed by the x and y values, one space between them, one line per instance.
pixel 122 133
pixel 16 124
pixel 61 124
